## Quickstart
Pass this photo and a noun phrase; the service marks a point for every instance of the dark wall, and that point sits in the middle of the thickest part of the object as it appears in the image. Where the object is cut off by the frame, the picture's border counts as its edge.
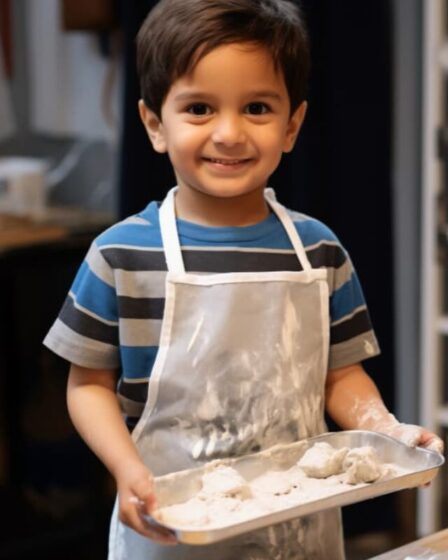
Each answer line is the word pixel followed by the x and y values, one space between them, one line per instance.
pixel 144 175
pixel 339 172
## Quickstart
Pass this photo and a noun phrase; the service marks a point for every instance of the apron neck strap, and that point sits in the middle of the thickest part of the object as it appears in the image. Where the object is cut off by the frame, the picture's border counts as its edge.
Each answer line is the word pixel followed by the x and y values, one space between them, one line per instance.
pixel 285 219
pixel 170 236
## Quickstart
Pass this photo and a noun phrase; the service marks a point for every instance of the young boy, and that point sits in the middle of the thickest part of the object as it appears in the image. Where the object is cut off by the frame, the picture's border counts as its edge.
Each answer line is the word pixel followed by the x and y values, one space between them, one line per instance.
pixel 230 323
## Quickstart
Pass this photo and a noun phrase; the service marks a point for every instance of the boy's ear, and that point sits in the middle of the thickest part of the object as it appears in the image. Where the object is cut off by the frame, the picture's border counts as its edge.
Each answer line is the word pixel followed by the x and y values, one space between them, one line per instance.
pixel 294 126
pixel 153 126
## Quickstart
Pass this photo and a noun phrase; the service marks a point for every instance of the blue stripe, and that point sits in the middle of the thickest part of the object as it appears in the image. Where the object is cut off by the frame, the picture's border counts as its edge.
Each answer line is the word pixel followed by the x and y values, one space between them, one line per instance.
pixel 95 295
pixel 137 361
pixel 268 234
pixel 131 234
pixel 312 231
pixel 346 299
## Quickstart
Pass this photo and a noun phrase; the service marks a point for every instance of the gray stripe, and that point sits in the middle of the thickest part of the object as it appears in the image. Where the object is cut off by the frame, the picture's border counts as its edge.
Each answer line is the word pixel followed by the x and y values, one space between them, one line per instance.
pixel 151 284
pixel 131 407
pixel 86 325
pixel 99 266
pixel 79 350
pixel 146 284
pixel 353 351
pixel 140 332
pixel 337 277
pixel 137 220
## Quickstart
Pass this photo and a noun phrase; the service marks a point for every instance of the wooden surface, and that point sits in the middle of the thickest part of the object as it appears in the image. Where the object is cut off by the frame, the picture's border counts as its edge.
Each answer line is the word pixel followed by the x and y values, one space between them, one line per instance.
pixel 433 545
pixel 53 225
pixel 18 232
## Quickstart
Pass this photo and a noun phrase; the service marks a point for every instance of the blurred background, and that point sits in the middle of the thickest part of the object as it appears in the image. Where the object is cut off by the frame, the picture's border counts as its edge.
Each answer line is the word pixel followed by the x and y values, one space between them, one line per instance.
pixel 370 162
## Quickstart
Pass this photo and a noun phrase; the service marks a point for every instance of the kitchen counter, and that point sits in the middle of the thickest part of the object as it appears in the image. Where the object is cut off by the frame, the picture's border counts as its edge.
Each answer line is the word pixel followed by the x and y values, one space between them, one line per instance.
pixel 53 224
pixel 431 547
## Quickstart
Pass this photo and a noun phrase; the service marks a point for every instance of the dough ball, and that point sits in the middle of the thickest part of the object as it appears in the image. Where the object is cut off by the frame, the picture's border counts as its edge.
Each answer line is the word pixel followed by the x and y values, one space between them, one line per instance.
pixel 322 460
pixel 362 464
pixel 224 481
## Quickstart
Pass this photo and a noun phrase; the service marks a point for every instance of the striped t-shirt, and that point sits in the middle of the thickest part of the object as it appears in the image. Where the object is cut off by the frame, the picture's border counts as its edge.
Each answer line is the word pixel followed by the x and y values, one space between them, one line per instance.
pixel 113 313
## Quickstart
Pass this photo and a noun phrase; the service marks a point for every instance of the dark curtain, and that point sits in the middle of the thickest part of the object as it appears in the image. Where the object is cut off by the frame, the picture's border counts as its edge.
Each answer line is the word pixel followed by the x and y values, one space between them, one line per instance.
pixel 339 172
pixel 144 175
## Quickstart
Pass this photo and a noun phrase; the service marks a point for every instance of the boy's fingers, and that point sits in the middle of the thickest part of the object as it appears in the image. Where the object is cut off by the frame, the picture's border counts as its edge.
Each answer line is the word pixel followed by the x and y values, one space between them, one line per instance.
pixel 409 434
pixel 144 496
pixel 145 505
pixel 434 444
pixel 161 535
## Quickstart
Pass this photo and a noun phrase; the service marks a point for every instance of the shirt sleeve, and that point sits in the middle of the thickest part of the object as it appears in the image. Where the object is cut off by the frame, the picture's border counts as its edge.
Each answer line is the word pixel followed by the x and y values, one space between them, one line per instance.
pixel 86 330
pixel 352 338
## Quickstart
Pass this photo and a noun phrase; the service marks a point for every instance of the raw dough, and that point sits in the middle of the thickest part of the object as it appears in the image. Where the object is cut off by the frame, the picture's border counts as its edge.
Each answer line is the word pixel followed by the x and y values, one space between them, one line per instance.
pixel 362 465
pixel 195 512
pixel 322 460
pixel 226 498
pixel 225 482
pixel 273 482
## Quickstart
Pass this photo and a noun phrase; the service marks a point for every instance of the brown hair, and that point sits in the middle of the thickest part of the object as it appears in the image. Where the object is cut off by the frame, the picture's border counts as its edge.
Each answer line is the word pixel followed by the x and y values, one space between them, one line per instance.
pixel 176 34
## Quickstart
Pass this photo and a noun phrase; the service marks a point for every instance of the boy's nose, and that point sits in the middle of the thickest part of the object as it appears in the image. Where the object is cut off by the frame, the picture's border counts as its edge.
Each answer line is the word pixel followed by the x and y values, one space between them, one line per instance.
pixel 228 131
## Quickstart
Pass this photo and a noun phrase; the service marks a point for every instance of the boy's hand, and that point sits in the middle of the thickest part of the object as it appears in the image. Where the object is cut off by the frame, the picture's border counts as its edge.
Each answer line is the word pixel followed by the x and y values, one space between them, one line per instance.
pixel 354 402
pixel 413 435
pixel 136 500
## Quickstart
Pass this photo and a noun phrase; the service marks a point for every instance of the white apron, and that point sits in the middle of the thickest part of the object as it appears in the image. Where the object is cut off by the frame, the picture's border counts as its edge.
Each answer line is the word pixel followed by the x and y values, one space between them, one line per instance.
pixel 241 366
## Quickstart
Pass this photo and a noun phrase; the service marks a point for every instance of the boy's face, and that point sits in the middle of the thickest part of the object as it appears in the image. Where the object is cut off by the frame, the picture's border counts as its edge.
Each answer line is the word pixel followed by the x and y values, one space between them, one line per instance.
pixel 226 124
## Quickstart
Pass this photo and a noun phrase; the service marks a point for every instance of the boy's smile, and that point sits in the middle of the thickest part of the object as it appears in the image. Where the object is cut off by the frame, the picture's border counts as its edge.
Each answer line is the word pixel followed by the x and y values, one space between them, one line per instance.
pixel 225 126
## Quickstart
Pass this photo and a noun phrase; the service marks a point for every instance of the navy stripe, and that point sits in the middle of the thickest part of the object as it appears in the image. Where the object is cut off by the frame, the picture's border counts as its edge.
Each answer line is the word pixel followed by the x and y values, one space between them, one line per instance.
pixel 141 308
pixel 329 256
pixel 237 261
pixel 224 261
pixel 133 260
pixel 356 325
pixel 86 325
pixel 137 392
pixel 131 422
pixel 203 261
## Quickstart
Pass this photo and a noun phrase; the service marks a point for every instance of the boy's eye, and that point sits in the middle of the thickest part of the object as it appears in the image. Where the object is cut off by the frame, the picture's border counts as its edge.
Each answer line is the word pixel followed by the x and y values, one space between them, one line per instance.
pixel 257 108
pixel 199 109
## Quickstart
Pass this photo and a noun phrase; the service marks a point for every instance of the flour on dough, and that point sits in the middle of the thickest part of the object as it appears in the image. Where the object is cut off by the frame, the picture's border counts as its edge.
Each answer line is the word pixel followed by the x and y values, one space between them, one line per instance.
pixel 362 464
pixel 272 482
pixel 224 481
pixel 226 498
pixel 194 511
pixel 322 460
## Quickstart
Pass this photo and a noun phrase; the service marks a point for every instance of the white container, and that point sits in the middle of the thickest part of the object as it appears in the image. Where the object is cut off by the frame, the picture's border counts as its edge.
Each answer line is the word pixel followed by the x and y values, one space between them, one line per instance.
pixel 22 185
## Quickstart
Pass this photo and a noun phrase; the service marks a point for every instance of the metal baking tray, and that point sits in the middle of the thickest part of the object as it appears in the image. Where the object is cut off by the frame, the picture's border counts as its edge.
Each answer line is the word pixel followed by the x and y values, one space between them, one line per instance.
pixel 421 465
